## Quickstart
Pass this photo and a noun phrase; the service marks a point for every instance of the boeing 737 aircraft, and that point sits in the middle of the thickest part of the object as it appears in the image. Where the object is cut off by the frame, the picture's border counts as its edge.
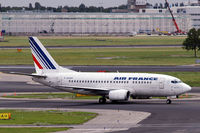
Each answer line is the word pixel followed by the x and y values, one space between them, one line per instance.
pixel 112 86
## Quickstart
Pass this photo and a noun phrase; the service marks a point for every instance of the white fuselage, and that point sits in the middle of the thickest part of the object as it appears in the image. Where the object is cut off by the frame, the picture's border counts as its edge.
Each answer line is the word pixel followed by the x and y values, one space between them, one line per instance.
pixel 113 86
pixel 138 84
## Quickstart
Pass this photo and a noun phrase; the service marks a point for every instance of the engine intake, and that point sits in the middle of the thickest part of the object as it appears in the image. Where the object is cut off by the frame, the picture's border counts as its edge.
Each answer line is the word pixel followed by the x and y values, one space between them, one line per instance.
pixel 119 95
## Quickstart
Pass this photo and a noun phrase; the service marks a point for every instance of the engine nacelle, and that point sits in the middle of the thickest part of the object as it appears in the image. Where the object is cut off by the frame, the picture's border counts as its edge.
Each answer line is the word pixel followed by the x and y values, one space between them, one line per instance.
pixel 119 95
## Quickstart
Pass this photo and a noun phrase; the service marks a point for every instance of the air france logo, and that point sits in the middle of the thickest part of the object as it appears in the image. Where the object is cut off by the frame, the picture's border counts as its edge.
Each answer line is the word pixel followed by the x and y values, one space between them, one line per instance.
pixel 136 78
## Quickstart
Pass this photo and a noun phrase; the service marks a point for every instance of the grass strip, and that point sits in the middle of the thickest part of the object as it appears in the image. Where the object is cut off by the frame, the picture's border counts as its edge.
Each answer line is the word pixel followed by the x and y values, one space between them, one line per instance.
pixel 31 130
pixel 52 96
pixel 94 41
pixel 105 56
pixel 51 117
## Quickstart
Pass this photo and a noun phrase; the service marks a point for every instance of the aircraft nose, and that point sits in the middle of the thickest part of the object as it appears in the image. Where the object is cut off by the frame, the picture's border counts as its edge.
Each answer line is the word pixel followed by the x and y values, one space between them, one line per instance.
pixel 187 88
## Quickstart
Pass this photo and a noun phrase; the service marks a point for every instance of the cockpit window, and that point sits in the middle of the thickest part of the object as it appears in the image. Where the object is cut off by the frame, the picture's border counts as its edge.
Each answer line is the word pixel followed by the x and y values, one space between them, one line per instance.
pixel 176 81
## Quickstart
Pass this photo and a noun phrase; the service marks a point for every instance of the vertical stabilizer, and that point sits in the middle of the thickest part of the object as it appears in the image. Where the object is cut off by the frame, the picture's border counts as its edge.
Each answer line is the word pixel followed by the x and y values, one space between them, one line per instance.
pixel 42 59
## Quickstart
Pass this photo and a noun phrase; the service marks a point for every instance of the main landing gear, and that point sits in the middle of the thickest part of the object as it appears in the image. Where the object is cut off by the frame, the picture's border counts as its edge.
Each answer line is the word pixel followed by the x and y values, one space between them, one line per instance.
pixel 169 101
pixel 102 100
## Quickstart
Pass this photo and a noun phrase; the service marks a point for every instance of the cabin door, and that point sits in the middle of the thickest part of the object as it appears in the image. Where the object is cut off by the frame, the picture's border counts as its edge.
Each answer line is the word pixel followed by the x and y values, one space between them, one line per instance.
pixel 161 83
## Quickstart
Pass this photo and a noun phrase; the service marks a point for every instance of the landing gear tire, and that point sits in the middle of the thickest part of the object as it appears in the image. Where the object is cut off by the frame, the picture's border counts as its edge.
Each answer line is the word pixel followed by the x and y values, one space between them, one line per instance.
pixel 102 100
pixel 169 101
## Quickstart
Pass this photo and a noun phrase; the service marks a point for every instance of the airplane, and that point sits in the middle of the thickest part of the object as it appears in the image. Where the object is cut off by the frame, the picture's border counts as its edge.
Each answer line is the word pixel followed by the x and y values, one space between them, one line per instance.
pixel 113 86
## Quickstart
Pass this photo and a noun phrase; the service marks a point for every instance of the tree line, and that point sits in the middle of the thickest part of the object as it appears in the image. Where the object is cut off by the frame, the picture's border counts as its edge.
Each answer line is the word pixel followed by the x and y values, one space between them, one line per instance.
pixel 192 42
pixel 81 8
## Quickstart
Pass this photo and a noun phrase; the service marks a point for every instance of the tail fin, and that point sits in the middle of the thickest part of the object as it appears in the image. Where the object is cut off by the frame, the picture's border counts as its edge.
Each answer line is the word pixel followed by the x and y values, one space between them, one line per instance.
pixel 42 59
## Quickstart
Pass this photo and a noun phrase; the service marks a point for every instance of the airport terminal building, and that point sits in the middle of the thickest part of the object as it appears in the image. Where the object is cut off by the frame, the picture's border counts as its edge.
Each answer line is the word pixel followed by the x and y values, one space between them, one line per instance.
pixel 27 23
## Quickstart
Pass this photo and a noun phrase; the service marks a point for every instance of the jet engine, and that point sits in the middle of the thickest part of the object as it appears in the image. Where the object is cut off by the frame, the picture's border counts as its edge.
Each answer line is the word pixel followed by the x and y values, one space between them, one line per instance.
pixel 119 95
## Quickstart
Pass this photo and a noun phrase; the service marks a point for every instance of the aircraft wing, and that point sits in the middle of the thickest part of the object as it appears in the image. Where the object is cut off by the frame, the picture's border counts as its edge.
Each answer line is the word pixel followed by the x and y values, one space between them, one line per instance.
pixel 88 88
pixel 91 89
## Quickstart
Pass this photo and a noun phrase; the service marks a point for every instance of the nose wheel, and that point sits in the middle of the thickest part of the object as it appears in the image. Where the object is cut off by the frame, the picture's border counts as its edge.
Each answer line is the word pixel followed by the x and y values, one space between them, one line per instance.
pixel 102 100
pixel 169 101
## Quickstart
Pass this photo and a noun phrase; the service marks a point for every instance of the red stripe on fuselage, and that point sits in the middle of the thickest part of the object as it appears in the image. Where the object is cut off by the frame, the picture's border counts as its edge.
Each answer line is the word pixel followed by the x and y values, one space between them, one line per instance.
pixel 37 63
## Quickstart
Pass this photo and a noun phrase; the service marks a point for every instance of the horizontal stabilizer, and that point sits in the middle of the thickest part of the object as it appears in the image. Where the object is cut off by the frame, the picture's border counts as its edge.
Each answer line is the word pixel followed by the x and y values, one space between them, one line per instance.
pixel 27 74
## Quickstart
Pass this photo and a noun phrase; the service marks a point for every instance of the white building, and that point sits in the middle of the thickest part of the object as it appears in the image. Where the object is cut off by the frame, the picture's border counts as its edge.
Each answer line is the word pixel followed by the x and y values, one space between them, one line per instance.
pixel 91 23
pixel 192 11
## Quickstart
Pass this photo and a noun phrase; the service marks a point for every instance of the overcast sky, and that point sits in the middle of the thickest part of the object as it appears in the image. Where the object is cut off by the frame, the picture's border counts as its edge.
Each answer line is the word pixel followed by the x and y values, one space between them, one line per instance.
pixel 55 3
